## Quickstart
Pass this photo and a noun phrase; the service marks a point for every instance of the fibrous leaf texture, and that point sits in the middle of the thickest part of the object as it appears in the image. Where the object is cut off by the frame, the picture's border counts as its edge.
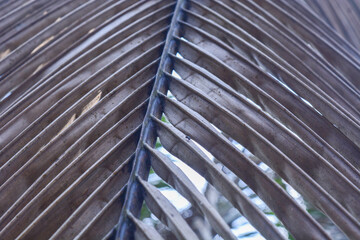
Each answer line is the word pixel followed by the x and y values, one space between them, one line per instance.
pixel 99 97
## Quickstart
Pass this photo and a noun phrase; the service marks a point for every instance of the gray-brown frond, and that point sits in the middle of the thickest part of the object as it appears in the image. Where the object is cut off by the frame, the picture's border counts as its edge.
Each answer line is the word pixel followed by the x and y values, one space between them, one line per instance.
pixel 261 98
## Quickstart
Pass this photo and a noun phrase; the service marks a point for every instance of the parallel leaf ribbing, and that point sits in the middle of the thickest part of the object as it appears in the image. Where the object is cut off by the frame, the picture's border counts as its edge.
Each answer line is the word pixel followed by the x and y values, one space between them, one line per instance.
pixel 261 98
